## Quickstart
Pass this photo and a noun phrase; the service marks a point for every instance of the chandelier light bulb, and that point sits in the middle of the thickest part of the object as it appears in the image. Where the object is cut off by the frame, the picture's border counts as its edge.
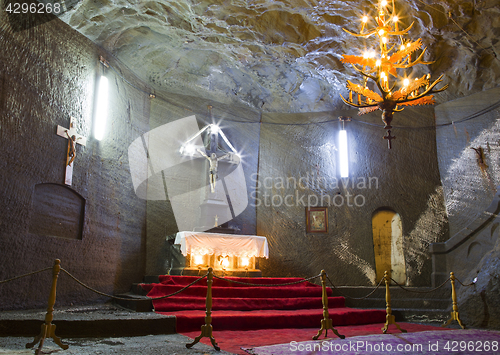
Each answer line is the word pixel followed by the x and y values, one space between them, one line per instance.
pixel 381 32
pixel 384 40
pixel 378 62
pixel 364 19
pixel 383 3
pixel 395 19
pixel 406 82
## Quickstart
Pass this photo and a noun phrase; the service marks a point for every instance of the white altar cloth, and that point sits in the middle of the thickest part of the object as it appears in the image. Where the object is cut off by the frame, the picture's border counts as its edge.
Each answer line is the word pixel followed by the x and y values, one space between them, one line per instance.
pixel 222 244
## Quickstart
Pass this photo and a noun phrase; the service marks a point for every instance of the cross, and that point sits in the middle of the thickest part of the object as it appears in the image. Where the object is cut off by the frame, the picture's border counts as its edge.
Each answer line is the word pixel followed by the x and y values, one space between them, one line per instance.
pixel 389 138
pixel 72 137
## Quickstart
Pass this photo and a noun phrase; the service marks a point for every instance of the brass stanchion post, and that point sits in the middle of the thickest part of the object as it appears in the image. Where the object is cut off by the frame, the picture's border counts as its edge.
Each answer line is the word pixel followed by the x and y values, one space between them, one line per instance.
pixel 326 322
pixel 454 312
pixel 206 329
pixel 389 317
pixel 49 329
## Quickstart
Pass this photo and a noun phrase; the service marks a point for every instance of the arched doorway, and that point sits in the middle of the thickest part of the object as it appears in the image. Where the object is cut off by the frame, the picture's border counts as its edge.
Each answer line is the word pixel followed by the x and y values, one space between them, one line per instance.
pixel 388 245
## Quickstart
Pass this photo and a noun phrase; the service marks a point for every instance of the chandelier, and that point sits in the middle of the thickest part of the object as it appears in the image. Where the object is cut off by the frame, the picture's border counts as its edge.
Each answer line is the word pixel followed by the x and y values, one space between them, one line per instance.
pixel 387 67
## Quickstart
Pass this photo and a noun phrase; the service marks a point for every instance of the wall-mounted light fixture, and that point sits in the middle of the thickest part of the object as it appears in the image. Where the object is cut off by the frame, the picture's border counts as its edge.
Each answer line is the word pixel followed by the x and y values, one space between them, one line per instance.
pixel 101 109
pixel 343 156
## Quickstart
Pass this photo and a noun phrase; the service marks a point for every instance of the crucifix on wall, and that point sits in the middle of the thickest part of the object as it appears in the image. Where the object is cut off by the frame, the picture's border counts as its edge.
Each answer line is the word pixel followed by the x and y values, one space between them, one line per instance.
pixel 73 139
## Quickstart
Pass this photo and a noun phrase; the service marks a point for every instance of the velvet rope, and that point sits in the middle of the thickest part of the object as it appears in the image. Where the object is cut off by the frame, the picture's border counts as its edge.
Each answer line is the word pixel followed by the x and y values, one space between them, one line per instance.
pixel 31 273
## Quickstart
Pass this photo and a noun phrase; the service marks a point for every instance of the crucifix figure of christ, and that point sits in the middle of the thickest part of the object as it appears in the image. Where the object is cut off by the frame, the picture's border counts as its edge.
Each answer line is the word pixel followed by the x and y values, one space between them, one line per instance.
pixel 73 139
pixel 214 164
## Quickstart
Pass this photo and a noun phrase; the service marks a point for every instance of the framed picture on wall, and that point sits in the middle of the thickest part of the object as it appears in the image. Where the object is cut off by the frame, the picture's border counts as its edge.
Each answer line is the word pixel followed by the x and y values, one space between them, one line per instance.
pixel 317 219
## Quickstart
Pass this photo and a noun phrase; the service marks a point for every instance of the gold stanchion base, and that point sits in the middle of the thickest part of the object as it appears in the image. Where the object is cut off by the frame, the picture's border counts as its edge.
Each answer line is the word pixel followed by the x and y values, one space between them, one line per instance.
pixel 325 325
pixel 206 331
pixel 454 316
pixel 47 331
pixel 390 319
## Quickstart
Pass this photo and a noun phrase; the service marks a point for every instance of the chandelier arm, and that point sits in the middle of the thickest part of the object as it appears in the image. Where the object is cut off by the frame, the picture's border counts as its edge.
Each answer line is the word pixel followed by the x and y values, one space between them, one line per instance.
pixel 384 93
pixel 400 33
pixel 406 66
pixel 363 73
pixel 415 62
pixel 356 105
pixel 428 91
pixel 361 35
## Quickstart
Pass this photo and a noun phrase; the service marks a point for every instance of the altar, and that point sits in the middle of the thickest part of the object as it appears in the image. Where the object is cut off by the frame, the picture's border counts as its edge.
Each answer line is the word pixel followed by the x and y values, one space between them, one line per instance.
pixel 228 254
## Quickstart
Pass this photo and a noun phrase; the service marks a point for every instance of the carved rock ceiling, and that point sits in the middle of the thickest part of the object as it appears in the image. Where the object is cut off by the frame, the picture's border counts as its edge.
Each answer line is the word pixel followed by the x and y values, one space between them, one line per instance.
pixel 283 56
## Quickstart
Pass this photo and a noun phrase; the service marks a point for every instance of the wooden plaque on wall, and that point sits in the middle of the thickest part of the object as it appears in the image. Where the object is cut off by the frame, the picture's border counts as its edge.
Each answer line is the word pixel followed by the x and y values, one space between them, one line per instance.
pixel 317 219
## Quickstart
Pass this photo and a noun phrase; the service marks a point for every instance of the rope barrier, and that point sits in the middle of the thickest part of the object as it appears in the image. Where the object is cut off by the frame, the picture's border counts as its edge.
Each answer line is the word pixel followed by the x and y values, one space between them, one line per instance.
pixel 389 317
pixel 454 313
pixel 48 329
pixel 268 285
pixel 355 298
pixel 31 273
pixel 326 322
pixel 128 299
pixel 460 282
pixel 428 291
pixel 207 328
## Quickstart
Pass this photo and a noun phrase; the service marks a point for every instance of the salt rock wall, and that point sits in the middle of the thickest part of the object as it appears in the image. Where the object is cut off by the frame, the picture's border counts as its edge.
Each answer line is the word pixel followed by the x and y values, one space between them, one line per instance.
pixel 479 303
pixel 303 149
pixel 469 180
pixel 49 75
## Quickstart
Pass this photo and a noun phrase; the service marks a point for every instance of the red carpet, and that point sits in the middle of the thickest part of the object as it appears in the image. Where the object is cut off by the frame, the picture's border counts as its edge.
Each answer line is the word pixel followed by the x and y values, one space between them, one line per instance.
pixel 243 307
pixel 233 340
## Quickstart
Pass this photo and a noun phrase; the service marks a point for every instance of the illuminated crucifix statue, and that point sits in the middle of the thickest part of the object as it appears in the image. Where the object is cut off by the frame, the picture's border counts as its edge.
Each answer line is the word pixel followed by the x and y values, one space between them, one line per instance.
pixel 214 164
pixel 73 138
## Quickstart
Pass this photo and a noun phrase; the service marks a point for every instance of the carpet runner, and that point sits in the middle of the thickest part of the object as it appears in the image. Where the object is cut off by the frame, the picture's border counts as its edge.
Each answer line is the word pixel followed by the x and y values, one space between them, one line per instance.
pixel 245 307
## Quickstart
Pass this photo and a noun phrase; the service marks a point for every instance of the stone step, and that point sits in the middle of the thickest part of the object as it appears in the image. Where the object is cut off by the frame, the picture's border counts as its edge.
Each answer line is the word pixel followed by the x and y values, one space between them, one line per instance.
pixel 87 321
pixel 137 289
pixel 408 303
pixel 432 316
pixel 396 292
pixel 134 302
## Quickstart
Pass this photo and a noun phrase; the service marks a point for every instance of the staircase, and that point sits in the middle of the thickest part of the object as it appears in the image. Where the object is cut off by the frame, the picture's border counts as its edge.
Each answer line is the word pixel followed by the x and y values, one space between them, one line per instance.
pixel 292 303
pixel 237 306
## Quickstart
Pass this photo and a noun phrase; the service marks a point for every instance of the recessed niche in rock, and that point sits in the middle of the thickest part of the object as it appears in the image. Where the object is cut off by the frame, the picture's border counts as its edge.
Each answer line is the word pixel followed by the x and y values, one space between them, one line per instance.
pixel 58 211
